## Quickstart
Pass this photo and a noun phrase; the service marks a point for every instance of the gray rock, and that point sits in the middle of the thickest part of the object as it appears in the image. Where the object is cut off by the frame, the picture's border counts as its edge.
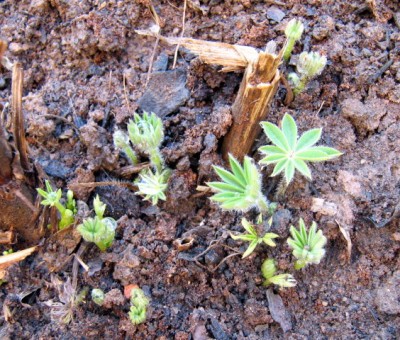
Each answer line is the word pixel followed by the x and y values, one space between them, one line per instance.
pixel 278 311
pixel 275 14
pixel 165 93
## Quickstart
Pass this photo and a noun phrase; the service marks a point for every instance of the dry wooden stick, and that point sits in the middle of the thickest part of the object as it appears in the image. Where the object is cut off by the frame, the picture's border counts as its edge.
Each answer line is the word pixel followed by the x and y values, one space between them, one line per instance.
pixel 259 85
pixel 182 33
pixel 17 116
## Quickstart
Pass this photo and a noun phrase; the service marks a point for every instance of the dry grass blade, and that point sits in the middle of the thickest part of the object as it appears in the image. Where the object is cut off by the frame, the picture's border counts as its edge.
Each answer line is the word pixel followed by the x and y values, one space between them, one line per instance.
pixel 8 260
pixel 346 235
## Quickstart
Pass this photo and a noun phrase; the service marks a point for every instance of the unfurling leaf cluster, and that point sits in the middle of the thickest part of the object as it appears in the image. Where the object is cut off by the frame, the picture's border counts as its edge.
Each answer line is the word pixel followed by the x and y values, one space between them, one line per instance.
pixel 253 237
pixel 53 199
pixel 99 230
pixel 145 134
pixel 139 303
pixel 268 271
pixel 307 247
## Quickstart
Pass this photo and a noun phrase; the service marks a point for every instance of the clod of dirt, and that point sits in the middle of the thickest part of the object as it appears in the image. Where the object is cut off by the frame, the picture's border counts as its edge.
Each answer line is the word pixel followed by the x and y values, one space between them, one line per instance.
pixel 387 297
pixel 113 298
pixel 256 313
pixel 324 28
pixel 165 93
pixel 54 168
pixel 278 311
pixel 365 117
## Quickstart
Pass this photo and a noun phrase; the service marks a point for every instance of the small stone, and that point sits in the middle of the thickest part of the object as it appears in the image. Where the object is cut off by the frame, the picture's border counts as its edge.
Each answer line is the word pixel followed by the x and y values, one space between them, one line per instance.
pixel 278 311
pixel 324 303
pixel 323 207
pixel 2 83
pixel 165 93
pixel 275 14
pixel 396 236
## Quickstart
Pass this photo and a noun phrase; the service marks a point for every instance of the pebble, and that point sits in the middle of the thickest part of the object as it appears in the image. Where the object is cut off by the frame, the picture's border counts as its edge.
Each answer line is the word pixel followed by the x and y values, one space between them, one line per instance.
pixel 275 14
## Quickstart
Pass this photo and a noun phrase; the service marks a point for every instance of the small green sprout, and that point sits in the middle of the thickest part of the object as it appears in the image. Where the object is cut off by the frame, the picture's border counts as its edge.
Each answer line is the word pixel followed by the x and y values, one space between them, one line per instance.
pixel 252 237
pixel 152 185
pixel 52 198
pixel 146 133
pixel 98 296
pixel 99 230
pixel 309 66
pixel 241 188
pixel 293 32
pixel 291 153
pixel 268 270
pixel 121 141
pixel 8 252
pixel 307 248
pixel 139 301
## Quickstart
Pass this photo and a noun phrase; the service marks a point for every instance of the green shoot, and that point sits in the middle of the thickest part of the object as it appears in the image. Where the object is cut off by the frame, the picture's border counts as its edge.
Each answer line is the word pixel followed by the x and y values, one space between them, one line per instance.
pixel 268 270
pixel 52 198
pixel 290 153
pixel 240 189
pixel 252 237
pixel 309 66
pixel 98 296
pixel 146 133
pixel 139 301
pixel 121 141
pixel 99 230
pixel 152 185
pixel 307 248
pixel 293 32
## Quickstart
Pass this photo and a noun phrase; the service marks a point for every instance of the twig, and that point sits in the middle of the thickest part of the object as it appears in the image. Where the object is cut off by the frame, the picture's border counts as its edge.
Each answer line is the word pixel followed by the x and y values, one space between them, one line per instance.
pixel 126 94
pixel 380 72
pixel 153 53
pixel 183 31
pixel 103 184
pixel 17 116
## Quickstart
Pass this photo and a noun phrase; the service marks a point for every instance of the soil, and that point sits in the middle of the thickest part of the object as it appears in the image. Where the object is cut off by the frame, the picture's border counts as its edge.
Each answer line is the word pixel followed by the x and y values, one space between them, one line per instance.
pixel 84 63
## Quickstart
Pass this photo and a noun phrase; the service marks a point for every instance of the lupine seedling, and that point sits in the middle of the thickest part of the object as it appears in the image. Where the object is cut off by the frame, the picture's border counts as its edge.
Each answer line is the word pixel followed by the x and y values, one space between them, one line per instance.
pixel 98 296
pixel 139 303
pixel 121 141
pixel 307 247
pixel 146 133
pixel 293 32
pixel 290 153
pixel 309 66
pixel 52 198
pixel 253 237
pixel 240 189
pixel 100 230
pixel 152 185
pixel 268 271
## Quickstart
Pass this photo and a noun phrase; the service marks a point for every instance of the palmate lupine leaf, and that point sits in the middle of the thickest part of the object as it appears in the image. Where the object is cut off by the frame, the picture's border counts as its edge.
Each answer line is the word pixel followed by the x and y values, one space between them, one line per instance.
pixel 252 237
pixel 239 189
pixel 307 247
pixel 290 153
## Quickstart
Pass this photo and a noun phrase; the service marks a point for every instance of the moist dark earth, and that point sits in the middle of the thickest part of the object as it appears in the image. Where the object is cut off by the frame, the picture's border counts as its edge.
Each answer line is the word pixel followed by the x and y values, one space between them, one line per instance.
pixel 86 73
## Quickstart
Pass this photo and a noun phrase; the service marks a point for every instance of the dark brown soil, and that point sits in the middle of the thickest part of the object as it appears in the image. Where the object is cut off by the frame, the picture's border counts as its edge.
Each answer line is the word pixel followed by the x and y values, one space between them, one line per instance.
pixel 77 54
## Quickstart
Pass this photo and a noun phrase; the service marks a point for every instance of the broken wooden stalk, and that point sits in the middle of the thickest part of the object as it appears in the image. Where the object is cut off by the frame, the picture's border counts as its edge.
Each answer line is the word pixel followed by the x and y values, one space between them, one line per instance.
pixel 258 87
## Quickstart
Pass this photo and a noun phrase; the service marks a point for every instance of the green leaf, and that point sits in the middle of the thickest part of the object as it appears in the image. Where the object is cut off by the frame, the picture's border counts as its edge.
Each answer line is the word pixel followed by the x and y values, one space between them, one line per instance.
pixel 250 249
pixel 268 268
pixel 221 186
pixel 237 169
pixel 331 152
pixel 313 154
pixel 279 167
pixel 289 171
pixel 275 135
pixel 272 150
pixel 248 227
pixel 301 166
pixel 228 177
pixel 273 159
pixel 289 129
pixel 244 237
pixel 268 239
pixel 308 139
